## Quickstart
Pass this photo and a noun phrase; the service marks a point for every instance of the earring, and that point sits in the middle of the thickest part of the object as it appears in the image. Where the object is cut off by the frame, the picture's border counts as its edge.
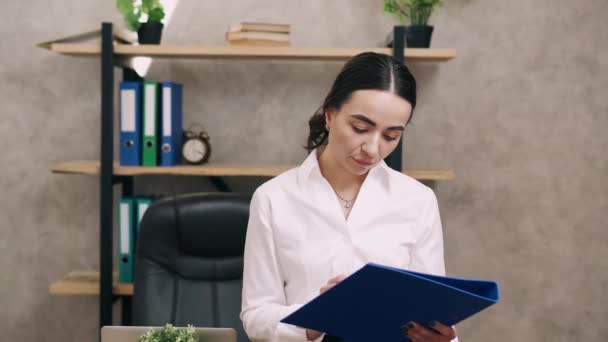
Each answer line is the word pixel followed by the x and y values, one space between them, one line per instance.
pixel 326 127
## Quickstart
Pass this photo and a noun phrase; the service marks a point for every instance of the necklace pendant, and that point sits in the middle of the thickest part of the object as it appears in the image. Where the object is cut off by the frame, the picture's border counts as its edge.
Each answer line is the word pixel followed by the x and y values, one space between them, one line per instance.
pixel 347 205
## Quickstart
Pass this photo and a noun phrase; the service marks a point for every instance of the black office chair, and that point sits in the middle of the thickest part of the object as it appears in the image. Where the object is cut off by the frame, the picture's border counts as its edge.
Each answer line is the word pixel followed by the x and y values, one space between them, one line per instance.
pixel 189 262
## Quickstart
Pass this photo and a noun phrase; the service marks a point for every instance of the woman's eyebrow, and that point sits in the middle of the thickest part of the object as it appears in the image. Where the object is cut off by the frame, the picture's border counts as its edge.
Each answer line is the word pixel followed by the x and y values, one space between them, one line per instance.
pixel 364 119
pixel 367 120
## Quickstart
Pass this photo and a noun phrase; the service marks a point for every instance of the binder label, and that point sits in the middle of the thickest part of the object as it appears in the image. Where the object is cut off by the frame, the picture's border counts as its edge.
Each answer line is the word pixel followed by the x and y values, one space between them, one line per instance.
pixel 150 110
pixel 167 111
pixel 142 209
pixel 127 110
pixel 124 228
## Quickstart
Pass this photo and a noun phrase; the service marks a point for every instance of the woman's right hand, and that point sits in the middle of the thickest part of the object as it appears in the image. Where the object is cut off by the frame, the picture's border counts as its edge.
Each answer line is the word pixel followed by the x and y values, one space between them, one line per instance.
pixel 312 335
pixel 439 333
pixel 332 282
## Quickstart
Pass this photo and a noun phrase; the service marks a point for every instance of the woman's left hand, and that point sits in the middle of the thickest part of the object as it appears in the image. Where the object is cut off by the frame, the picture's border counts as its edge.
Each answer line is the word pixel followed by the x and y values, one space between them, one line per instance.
pixel 438 333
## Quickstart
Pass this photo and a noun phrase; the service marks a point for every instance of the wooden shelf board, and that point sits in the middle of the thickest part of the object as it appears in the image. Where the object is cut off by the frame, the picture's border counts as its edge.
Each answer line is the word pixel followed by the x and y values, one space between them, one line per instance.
pixel 246 52
pixel 86 283
pixel 84 167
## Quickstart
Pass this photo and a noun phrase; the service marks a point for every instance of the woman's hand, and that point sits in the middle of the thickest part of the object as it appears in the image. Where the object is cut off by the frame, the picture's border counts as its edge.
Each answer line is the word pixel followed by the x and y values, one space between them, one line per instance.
pixel 312 335
pixel 438 333
pixel 332 282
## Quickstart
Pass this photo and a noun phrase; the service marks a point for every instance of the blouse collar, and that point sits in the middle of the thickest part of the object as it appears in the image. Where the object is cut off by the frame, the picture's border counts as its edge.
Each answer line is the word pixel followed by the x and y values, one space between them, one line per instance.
pixel 310 167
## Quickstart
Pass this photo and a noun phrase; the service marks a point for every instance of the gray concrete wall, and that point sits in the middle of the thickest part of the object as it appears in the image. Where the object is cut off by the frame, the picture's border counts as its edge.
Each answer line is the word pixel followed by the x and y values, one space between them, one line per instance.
pixel 520 115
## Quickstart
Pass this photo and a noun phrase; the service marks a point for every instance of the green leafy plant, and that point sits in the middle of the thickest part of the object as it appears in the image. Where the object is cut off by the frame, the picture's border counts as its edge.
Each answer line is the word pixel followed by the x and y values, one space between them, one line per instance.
pixel 169 333
pixel 133 11
pixel 418 11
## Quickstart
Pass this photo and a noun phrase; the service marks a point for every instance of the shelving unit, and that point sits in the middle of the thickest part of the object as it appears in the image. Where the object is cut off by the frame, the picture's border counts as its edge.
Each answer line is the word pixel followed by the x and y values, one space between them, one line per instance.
pixel 240 52
pixel 103 282
pixel 86 283
pixel 87 167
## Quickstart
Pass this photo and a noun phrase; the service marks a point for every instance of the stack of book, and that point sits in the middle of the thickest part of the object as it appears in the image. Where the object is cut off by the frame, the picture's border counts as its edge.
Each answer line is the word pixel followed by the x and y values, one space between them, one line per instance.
pixel 258 34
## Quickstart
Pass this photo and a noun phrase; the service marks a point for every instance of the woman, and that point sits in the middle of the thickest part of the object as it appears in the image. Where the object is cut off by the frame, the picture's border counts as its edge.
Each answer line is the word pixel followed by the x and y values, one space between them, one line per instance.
pixel 343 207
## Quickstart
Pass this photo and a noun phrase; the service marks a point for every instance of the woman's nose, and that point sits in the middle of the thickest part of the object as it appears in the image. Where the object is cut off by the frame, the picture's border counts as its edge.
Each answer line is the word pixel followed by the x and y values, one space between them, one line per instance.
pixel 371 147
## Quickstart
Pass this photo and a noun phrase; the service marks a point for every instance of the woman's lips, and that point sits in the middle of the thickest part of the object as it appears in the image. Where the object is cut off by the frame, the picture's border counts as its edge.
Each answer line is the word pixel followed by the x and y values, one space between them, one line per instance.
pixel 362 163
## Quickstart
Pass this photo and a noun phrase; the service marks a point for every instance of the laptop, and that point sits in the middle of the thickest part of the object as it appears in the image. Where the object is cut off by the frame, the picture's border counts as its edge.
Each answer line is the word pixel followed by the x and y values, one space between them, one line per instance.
pixel 131 334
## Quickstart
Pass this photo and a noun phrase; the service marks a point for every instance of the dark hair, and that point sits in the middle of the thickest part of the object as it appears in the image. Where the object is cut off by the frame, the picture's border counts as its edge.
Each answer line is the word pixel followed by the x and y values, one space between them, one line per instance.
pixel 367 70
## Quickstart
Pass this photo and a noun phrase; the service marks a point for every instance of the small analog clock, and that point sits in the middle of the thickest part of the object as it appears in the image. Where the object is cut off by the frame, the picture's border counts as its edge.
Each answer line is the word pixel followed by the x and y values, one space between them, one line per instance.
pixel 196 148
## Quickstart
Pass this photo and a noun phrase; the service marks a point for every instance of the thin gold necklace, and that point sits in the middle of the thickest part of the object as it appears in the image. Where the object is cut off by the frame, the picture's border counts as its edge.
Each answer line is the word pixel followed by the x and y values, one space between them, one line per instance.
pixel 347 203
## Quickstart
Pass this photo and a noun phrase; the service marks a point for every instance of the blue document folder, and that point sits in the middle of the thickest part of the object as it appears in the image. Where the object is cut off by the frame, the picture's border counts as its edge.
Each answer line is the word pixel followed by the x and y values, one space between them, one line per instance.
pixel 130 123
pixel 171 123
pixel 373 303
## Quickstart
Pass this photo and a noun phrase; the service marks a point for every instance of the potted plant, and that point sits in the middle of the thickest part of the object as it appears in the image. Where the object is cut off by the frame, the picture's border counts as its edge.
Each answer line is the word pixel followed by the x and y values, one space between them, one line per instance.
pixel 418 33
pixel 169 333
pixel 143 17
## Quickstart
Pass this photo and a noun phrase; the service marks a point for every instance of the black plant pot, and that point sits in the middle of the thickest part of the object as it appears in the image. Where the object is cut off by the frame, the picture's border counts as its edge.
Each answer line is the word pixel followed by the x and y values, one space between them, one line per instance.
pixel 150 33
pixel 418 36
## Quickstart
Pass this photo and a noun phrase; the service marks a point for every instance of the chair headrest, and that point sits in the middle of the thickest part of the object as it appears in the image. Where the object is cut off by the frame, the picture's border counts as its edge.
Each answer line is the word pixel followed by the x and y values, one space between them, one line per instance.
pixel 204 225
pixel 212 225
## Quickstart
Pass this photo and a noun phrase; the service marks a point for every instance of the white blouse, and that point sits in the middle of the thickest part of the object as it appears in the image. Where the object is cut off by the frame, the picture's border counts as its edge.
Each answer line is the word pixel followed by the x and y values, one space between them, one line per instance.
pixel 298 239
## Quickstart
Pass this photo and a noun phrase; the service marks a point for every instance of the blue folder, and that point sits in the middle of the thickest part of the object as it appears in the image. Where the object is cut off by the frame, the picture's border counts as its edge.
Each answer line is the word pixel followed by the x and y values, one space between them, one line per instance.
pixel 373 303
pixel 130 123
pixel 171 123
